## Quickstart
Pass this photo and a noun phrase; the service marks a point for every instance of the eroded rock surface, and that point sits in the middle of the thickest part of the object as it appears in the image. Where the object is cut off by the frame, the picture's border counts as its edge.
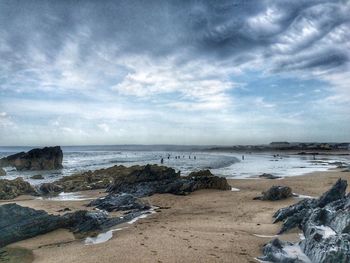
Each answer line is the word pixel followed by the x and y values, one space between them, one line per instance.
pixel 48 158
pixel 10 189
pixel 119 202
pixel 276 193
pixel 19 223
pixel 325 223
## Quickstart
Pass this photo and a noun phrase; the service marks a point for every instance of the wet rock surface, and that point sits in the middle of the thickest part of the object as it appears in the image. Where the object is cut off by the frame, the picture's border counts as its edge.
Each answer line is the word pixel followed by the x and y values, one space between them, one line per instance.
pixel 2 172
pixel 150 180
pixel 10 189
pixel 119 202
pixel 325 223
pixel 275 193
pixel 19 223
pixel 48 158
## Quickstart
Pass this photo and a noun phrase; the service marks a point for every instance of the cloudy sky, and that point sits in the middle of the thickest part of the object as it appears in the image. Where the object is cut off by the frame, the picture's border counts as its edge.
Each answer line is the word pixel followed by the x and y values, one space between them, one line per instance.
pixel 174 72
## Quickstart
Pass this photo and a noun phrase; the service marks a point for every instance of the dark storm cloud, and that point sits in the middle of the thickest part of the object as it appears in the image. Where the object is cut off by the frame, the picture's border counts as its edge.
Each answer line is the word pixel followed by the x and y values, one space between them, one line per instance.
pixel 237 30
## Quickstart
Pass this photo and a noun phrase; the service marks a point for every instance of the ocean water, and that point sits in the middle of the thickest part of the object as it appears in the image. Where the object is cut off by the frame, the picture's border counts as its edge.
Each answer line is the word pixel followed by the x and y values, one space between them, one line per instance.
pixel 182 158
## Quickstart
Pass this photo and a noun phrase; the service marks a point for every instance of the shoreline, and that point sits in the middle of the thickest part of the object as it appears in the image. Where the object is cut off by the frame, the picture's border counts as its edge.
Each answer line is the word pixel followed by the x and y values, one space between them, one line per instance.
pixel 205 226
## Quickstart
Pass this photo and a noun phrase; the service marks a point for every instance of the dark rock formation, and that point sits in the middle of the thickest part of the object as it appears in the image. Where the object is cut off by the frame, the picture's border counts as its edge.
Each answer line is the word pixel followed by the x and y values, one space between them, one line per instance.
pixel 48 158
pixel 142 180
pixel 325 223
pixel 2 172
pixel 19 223
pixel 269 176
pixel 37 177
pixel 152 179
pixel 276 193
pixel 294 215
pixel 49 189
pixel 119 202
pixel 10 189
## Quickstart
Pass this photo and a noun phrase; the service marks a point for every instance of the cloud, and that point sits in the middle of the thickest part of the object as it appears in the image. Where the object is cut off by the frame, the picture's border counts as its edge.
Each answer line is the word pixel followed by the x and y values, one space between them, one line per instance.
pixel 78 65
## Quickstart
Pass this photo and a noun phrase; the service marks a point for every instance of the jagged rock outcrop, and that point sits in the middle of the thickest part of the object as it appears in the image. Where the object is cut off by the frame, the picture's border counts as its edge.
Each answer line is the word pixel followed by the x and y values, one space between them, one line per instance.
pixel 48 158
pixel 142 180
pixel 2 172
pixel 19 223
pixel 154 179
pixel 10 189
pixel 119 202
pixel 275 193
pixel 325 223
pixel 294 215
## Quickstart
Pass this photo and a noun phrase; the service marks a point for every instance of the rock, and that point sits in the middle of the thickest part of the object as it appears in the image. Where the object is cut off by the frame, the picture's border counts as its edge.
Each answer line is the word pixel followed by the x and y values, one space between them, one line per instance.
pixel 119 202
pixel 337 191
pixel 48 158
pixel 10 189
pixel 269 176
pixel 19 223
pixel 152 179
pixel 148 173
pixel 276 193
pixel 201 173
pixel 49 189
pixel 142 180
pixel 2 172
pixel 37 177
pixel 325 223
pixel 283 252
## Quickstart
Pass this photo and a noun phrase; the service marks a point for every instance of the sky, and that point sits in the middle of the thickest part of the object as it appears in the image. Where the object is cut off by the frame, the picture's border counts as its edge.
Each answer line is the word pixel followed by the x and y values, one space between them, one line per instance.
pixel 174 72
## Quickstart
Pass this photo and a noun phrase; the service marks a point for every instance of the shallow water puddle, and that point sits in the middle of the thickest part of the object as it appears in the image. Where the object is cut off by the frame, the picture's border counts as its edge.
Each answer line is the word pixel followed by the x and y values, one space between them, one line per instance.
pixel 101 238
pixel 66 197
pixel 105 236
pixel 303 196
pixel 265 236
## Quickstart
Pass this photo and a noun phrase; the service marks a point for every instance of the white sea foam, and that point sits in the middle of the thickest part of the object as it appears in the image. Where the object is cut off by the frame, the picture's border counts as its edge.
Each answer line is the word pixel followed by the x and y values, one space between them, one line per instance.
pixel 77 159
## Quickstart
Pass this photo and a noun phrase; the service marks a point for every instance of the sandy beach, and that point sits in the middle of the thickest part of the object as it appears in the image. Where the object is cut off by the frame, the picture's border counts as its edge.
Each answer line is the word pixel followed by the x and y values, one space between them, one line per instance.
pixel 205 226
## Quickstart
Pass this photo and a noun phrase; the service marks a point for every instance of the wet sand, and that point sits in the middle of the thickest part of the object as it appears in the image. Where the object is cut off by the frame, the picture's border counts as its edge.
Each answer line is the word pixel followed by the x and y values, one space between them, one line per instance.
pixel 206 226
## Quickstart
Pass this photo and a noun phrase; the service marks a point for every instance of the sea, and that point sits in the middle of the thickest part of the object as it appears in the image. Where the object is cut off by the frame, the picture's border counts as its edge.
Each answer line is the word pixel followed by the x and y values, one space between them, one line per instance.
pixel 182 158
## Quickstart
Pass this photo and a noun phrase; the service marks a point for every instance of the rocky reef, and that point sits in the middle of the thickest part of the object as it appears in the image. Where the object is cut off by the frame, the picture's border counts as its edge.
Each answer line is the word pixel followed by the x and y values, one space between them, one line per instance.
pixel 325 223
pixel 10 189
pixel 139 180
pixel 48 158
pixel 275 193
pixel 125 186
pixel 152 179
